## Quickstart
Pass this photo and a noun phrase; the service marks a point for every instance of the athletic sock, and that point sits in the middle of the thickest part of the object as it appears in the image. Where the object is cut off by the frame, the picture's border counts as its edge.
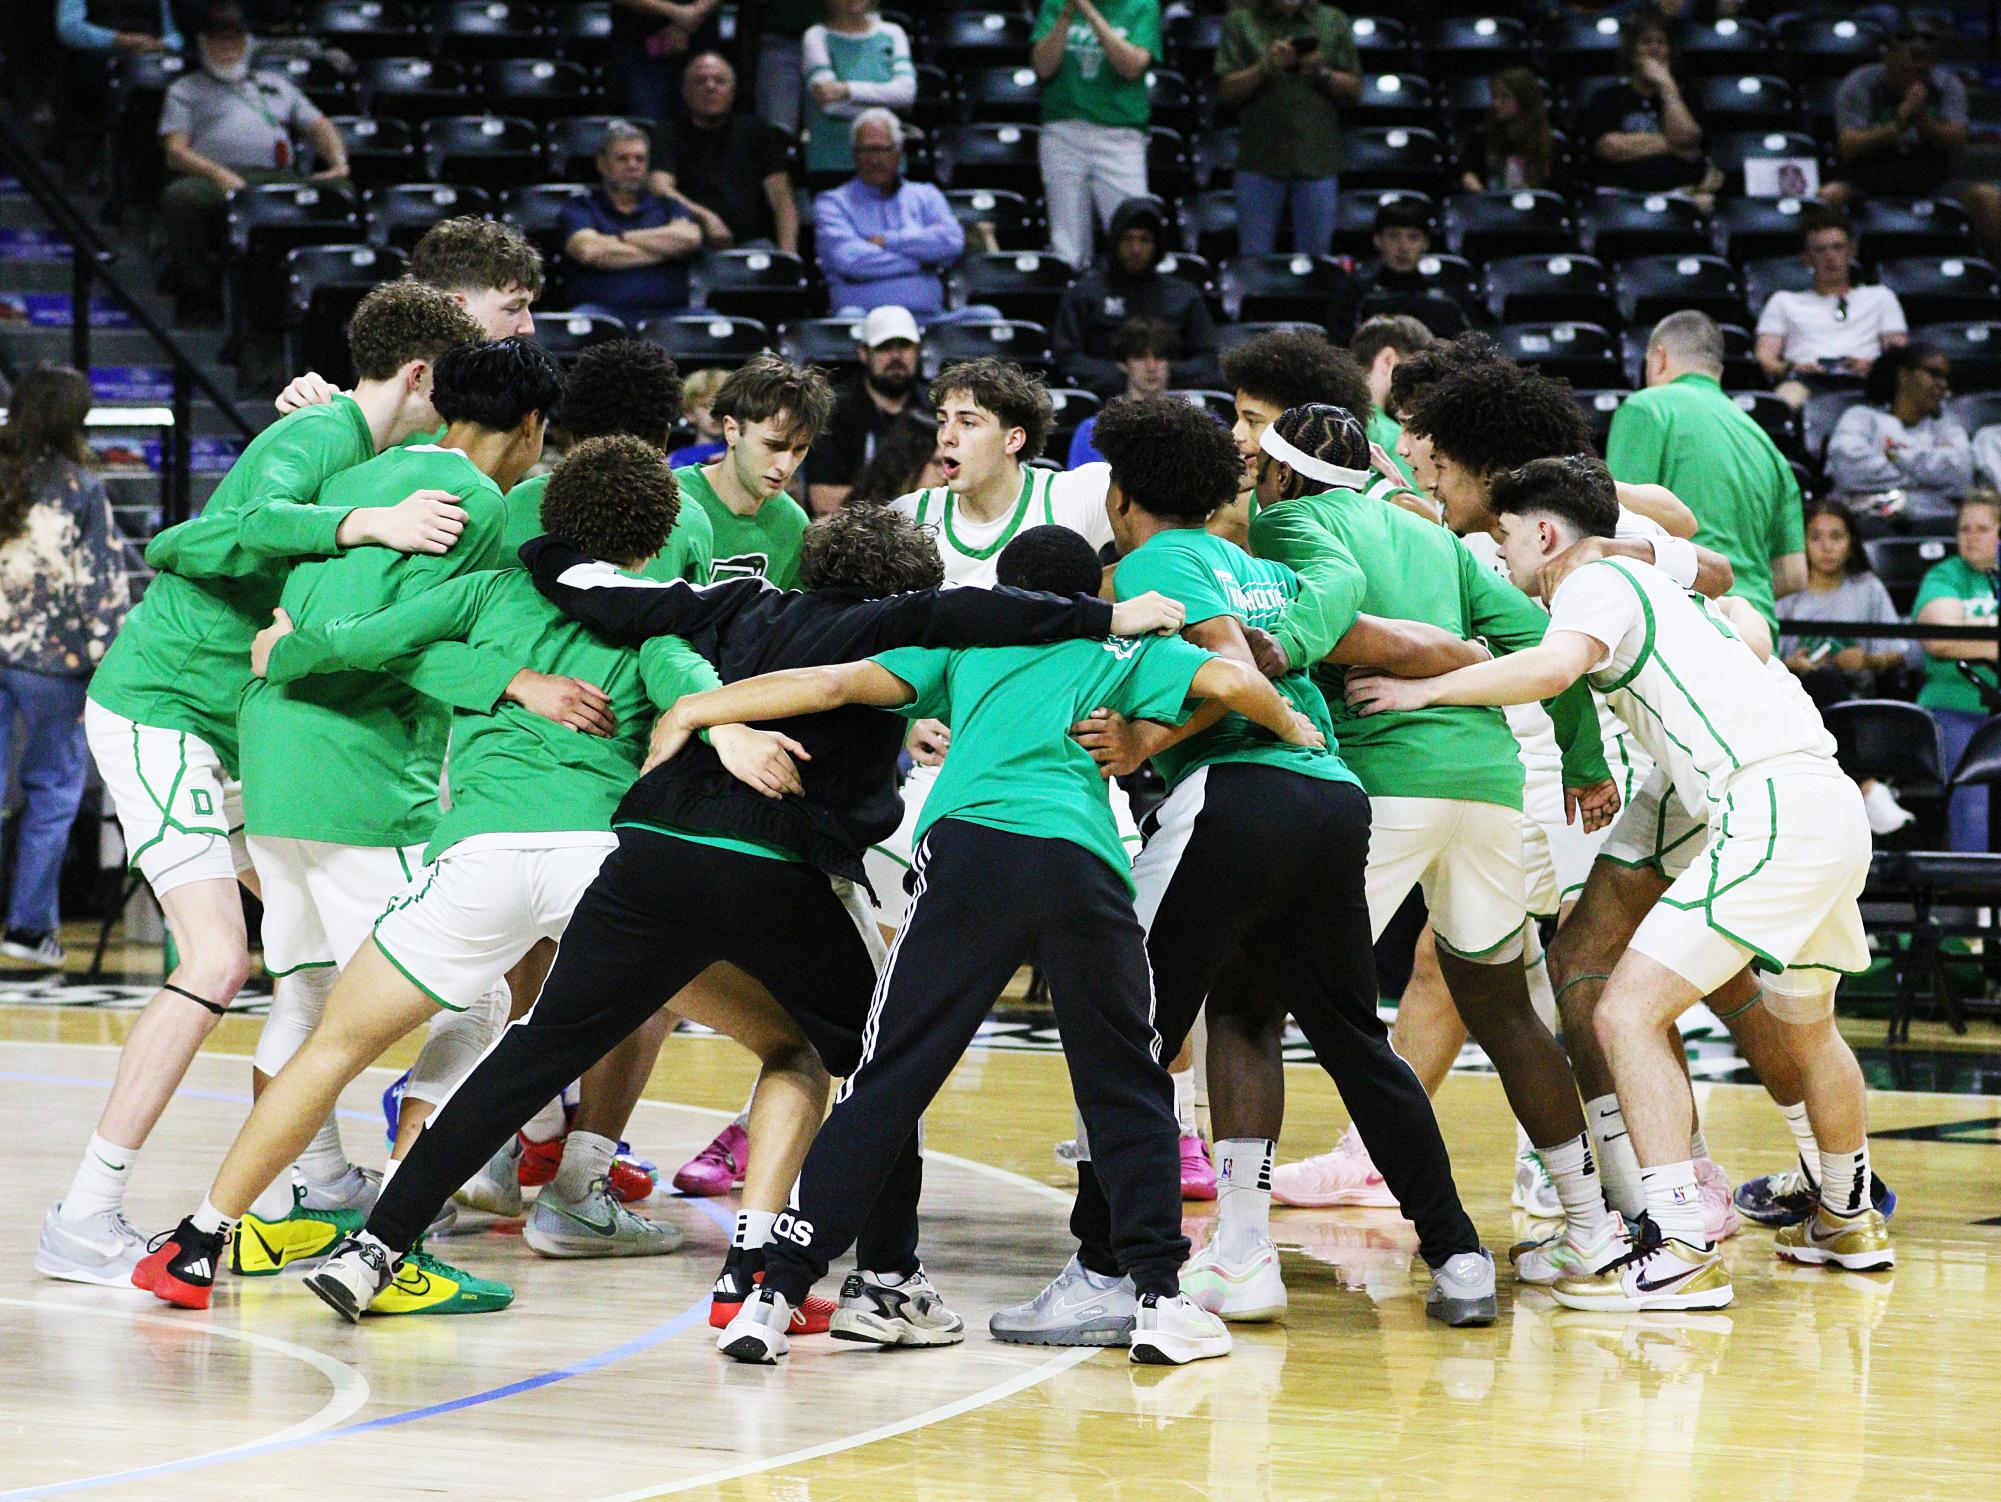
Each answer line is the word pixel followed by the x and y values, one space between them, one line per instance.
pixel 586 1159
pixel 1184 1101
pixel 546 1124
pixel 1844 1181
pixel 325 1160
pixel 753 1229
pixel 1578 1185
pixel 211 1221
pixel 276 1202
pixel 100 1179
pixel 1674 1202
pixel 1618 1164
pixel 1243 1193
pixel 1803 1139
pixel 1698 1145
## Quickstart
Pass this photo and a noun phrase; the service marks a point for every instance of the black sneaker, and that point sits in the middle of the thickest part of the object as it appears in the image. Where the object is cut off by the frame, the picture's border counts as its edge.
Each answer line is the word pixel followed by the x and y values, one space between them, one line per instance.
pixel 181 1264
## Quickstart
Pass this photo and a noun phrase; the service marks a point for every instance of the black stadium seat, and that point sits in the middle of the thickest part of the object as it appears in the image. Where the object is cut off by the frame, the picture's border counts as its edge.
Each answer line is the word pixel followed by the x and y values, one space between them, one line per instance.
pixel 1070 406
pixel 1169 172
pixel 484 151
pixel 1383 42
pixel 567 335
pixel 1892 228
pixel 1001 93
pixel 1026 344
pixel 1209 223
pixel 1599 408
pixel 698 339
pixel 1651 287
pixel 331 88
pixel 399 214
pixel 412 88
pixel 323 285
pixel 581 31
pixel 1230 335
pixel 536 209
pixel 1742 101
pixel 1730 149
pixel 1741 371
pixel 473 30
pixel 1768 274
pixel 379 151
pixel 1171 100
pixel 1733 45
pixel 827 342
pixel 1398 156
pixel 363 28
pixel 1198 271
pixel 1582 353
pixel 961 40
pixel 1458 45
pixel 1279 286
pixel 989 156
pixel 937 102
pixel 570 146
pixel 1520 222
pixel 1973 348
pixel 1017 224
pixel 1750 229
pixel 264 222
pixel 140 81
pixel 769 285
pixel 1614 225
pixel 1574 46
pixel 1023 284
pixel 1190 41
pixel 1902 563
pixel 536 88
pixel 1394 99
pixel 1829 45
pixel 1938 289
pixel 1778 417
pixel 1212 156
pixel 1355 218
pixel 1980 409
pixel 1525 288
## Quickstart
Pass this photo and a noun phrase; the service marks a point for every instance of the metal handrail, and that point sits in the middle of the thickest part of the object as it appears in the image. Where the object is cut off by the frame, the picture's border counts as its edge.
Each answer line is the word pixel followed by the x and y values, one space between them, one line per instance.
pixel 91 259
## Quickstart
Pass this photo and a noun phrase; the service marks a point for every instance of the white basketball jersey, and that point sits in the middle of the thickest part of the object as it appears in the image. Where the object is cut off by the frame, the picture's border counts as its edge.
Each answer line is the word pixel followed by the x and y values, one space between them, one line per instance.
pixel 1074 499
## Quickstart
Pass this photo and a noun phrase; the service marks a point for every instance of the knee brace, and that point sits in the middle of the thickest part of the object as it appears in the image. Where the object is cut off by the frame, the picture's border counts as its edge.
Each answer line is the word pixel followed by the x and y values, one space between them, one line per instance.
pixel 458 1041
pixel 297 1000
pixel 1801 997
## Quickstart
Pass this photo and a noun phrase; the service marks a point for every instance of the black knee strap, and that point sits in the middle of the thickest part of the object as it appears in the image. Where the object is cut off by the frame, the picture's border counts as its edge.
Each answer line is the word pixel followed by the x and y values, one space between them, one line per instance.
pixel 200 1001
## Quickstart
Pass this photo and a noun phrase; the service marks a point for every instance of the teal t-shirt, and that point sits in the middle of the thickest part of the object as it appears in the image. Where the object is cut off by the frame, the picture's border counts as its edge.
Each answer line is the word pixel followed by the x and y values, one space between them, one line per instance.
pixel 1945 687
pixel 1013 765
pixel 1085 86
pixel 878 56
pixel 1210 577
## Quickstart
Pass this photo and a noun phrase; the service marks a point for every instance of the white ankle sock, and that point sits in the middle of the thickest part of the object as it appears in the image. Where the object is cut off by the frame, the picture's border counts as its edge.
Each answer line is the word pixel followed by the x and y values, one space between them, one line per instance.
pixel 1243 1193
pixel 546 1124
pixel 1803 1139
pixel 210 1220
pixel 100 1179
pixel 1184 1101
pixel 743 1116
pixel 276 1202
pixel 325 1160
pixel 1844 1181
pixel 1618 1164
pixel 586 1158
pixel 1578 1185
pixel 753 1228
pixel 1698 1145
pixel 1674 1203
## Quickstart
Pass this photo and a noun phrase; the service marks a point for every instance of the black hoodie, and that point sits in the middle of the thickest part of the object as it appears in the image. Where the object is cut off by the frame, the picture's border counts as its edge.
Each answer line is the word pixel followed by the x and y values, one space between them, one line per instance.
pixel 1105 297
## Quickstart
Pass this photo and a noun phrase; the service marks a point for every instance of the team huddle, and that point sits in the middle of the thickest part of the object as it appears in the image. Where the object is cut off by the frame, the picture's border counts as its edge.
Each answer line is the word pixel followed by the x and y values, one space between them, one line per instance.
pixel 530 764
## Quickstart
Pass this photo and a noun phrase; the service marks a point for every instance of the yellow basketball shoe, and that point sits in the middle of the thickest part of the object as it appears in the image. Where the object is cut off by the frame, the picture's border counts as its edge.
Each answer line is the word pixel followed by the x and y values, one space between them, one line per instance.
pixel 263 1247
pixel 1857 1243
pixel 424 1285
pixel 1657 1274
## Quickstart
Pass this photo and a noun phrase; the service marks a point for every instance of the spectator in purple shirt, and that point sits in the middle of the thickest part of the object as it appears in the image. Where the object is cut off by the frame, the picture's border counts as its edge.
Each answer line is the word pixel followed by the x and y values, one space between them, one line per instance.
pixel 885 241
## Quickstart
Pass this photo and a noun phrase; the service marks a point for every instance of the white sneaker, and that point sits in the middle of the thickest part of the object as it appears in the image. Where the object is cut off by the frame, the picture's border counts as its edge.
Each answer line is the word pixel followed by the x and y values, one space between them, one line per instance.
pixel 496 1188
pixel 595 1226
pixel 757 1334
pixel 1077 1308
pixel 880 1309
pixel 101 1248
pixel 1174 1332
pixel 1248 1289
pixel 1535 1191
pixel 1886 814
pixel 1563 1255
pixel 1344 1176
pixel 357 1190
pixel 354 1273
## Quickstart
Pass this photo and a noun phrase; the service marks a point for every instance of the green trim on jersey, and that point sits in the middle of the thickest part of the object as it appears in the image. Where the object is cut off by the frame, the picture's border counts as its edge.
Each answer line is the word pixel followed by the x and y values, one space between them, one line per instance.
pixel 168 823
pixel 404 971
pixel 1646 646
pixel 1022 505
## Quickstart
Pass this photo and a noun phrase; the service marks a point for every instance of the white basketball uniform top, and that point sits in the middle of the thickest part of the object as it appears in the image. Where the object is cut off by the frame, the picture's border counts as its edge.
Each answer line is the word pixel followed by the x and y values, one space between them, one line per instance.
pixel 971 550
pixel 1701 703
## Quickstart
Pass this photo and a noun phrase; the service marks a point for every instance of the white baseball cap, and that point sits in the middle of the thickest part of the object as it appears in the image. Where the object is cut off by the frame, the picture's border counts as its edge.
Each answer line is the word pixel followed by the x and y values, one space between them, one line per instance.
pixel 888 323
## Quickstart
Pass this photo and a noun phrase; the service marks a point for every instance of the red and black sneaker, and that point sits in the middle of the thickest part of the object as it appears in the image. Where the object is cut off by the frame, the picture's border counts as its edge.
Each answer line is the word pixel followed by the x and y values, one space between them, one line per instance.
pixel 180 1266
pixel 742 1271
pixel 628 1179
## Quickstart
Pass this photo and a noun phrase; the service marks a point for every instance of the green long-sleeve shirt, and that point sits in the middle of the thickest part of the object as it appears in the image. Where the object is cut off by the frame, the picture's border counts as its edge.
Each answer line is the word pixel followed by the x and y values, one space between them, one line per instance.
pixel 1412 569
pixel 690 552
pixel 514 772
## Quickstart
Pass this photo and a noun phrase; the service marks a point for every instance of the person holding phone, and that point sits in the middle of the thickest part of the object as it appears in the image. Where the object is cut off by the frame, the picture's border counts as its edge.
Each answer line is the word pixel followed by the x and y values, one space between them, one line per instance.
pixel 1288 67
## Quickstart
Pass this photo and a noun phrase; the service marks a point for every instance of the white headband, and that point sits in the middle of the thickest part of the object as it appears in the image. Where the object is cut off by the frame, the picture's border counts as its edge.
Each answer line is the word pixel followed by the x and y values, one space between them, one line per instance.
pixel 1306 464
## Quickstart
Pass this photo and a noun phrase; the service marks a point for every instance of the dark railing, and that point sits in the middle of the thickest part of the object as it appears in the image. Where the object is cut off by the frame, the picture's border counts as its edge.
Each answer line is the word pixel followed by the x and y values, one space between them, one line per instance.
pixel 91 264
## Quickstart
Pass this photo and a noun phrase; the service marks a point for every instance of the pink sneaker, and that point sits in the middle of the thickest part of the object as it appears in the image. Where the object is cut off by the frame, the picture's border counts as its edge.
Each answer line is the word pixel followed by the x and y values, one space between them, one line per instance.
pixel 1719 1206
pixel 717 1168
pixel 1198 1174
pixel 1344 1176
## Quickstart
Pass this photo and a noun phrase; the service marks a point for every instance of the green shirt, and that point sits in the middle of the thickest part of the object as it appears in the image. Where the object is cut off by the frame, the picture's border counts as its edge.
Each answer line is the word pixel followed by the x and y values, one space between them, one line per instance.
pixel 1384 431
pixel 689 554
pixel 1945 687
pixel 1690 437
pixel 1212 577
pixel 514 772
pixel 183 657
pixel 354 758
pixel 1013 764
pixel 1415 570
pixel 1085 86
pixel 1290 128
pixel 762 546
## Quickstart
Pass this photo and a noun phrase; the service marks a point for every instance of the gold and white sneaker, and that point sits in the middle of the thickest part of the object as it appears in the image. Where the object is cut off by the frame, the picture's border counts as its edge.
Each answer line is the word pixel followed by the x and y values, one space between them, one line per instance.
pixel 1654 1274
pixel 1857 1243
pixel 1564 1256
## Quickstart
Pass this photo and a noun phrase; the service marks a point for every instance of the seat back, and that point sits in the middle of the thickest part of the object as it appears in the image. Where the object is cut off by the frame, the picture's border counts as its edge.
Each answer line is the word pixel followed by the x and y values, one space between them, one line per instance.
pixel 1980 763
pixel 697 339
pixel 398 215
pixel 1890 739
pixel 1902 563
pixel 1025 344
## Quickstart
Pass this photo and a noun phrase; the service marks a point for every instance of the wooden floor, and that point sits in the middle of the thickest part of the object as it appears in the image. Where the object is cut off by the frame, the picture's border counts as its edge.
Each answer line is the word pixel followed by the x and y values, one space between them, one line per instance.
pixel 602 1381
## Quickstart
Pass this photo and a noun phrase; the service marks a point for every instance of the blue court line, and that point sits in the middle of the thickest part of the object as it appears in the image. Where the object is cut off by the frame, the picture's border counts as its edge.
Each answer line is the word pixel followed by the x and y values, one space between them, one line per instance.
pixel 687 1318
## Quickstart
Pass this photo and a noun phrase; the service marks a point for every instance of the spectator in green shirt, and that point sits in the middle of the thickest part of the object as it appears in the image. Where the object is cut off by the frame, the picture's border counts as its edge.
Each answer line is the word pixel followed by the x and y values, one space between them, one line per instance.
pixel 1092 57
pixel 1684 433
pixel 1960 592
pixel 1288 66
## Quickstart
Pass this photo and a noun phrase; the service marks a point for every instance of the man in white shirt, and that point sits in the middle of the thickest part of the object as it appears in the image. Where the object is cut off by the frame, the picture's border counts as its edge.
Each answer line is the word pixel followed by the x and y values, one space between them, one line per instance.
pixel 1776 886
pixel 1833 333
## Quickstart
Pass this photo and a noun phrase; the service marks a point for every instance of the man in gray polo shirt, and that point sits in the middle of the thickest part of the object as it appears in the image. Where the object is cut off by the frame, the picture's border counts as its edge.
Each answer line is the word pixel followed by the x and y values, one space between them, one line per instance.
pixel 224 126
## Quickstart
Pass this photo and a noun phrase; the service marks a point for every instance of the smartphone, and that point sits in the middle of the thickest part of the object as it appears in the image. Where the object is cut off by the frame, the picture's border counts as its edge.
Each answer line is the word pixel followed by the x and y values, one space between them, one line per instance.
pixel 1306 43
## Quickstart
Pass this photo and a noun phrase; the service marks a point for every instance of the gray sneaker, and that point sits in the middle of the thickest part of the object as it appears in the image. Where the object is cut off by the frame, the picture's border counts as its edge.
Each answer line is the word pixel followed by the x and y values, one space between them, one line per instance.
pixel 1081 1308
pixel 496 1188
pixel 595 1226
pixel 101 1248
pixel 354 1190
pixel 908 1311
pixel 1462 1291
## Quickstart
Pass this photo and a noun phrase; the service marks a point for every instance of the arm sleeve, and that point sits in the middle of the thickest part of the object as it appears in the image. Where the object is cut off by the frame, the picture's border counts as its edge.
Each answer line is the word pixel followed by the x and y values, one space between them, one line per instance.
pixel 1159 682
pixel 1331 583
pixel 938 238
pixel 1086 488
pixel 924 669
pixel 379 637
pixel 1593 603
pixel 1637 445
pixel 295 108
pixel 280 522
pixel 1934 586
pixel 1496 611
pixel 76 30
pixel 670 668
pixel 1951 90
pixel 815 61
pixel 1893 320
pixel 846 252
pixel 1855 457
pixel 1946 463
pixel 997 617
pixel 1789 521
pixel 901 90
pixel 1343 56
pixel 1771 321
pixel 1236 51
pixel 1851 102
pixel 628 610
pixel 1069 338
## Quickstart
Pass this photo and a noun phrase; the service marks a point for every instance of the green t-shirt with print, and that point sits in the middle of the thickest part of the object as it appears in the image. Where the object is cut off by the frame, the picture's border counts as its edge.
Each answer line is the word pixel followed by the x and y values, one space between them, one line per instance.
pixel 690 549
pixel 764 546
pixel 1211 576
pixel 1013 764
pixel 1945 687
pixel 1085 86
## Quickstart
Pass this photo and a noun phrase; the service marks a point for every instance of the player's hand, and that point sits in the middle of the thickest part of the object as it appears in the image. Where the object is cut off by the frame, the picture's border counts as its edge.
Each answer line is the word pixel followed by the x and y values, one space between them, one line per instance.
pixel 928 742
pixel 1143 615
pixel 1584 550
pixel 1598 804
pixel 761 760
pixel 1304 733
pixel 424 521
pixel 1383 464
pixel 308 390
pixel 567 701
pixel 1269 656
pixel 1118 745
pixel 670 734
pixel 262 643
pixel 1378 693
